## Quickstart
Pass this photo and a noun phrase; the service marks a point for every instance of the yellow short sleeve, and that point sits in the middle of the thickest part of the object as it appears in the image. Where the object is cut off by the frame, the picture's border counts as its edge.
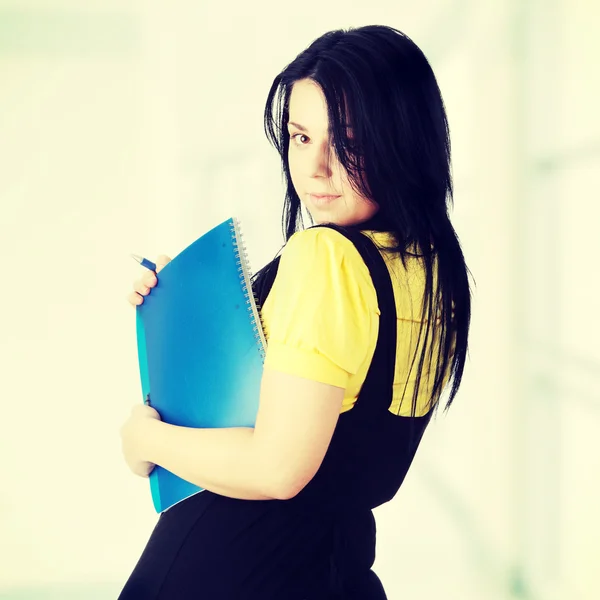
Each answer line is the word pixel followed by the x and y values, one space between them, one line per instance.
pixel 322 309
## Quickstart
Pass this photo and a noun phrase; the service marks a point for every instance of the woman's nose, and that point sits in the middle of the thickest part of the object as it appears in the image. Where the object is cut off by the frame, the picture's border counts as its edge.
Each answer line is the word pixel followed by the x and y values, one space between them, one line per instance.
pixel 322 161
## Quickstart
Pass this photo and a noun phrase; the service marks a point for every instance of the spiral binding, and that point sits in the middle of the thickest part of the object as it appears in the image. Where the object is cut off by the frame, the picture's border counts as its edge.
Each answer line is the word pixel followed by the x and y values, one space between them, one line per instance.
pixel 243 265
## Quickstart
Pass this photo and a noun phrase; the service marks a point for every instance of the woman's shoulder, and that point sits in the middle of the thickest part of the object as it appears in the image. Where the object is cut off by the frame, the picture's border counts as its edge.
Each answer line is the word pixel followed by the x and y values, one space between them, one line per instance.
pixel 324 256
pixel 323 237
pixel 322 246
pixel 323 241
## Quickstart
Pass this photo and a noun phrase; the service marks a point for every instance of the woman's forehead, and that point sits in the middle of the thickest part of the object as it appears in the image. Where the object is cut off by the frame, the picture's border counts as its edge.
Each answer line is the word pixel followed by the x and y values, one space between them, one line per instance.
pixel 308 109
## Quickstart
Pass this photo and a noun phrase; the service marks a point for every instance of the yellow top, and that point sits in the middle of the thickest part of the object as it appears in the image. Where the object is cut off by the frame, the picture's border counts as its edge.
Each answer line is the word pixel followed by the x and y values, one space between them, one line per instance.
pixel 321 318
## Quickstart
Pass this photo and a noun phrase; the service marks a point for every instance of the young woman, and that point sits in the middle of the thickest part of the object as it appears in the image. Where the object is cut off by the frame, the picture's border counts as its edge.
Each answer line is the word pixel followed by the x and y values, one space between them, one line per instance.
pixel 366 314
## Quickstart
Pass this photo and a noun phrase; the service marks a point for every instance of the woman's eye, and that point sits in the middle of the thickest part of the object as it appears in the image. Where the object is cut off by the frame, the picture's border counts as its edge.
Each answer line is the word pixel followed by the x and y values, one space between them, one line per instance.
pixel 293 137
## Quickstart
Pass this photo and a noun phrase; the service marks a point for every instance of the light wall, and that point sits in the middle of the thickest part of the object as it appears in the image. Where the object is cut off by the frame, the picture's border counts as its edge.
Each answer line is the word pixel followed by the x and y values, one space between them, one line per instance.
pixel 136 126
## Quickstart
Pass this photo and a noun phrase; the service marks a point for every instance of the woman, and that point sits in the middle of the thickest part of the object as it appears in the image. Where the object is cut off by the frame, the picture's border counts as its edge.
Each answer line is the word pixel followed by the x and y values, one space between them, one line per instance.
pixel 366 315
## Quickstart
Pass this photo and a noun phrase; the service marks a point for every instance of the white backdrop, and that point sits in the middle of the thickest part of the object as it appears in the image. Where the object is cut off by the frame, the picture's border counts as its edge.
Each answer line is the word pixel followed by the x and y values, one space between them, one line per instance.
pixel 137 126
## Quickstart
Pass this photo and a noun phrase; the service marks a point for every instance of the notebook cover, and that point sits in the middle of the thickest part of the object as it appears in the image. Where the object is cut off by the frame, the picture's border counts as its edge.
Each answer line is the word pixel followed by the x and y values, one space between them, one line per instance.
pixel 200 345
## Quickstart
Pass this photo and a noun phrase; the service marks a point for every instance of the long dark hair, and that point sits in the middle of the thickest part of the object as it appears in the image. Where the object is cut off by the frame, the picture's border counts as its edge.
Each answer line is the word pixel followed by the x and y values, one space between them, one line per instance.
pixel 376 79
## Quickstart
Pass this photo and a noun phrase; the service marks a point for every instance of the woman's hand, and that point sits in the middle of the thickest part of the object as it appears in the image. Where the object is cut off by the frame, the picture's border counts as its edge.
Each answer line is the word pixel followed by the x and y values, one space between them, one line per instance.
pixel 132 429
pixel 148 280
pixel 133 438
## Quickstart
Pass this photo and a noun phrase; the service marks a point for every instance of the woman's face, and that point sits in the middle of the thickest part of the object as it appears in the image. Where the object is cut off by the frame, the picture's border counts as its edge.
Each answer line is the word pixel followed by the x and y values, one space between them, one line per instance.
pixel 308 151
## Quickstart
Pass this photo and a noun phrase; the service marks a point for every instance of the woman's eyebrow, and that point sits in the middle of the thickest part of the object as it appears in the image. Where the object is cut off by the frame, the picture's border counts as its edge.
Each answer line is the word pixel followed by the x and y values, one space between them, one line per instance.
pixel 297 126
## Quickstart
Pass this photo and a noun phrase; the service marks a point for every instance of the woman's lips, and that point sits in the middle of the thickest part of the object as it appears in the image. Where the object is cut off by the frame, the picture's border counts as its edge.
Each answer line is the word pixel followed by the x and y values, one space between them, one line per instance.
pixel 322 198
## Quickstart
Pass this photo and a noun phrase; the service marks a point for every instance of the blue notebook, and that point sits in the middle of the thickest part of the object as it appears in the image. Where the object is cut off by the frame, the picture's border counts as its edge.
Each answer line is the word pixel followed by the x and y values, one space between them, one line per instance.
pixel 201 346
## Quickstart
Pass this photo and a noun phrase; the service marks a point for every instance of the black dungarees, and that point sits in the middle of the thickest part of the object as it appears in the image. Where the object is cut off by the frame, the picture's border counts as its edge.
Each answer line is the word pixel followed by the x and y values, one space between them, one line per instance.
pixel 319 545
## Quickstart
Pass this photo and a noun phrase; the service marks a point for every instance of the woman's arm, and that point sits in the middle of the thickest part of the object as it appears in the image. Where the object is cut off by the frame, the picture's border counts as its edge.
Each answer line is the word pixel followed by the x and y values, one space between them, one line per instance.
pixel 274 460
pixel 223 461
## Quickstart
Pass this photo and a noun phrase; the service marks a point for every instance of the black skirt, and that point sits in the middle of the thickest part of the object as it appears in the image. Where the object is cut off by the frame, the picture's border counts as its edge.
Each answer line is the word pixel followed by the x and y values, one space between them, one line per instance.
pixel 212 547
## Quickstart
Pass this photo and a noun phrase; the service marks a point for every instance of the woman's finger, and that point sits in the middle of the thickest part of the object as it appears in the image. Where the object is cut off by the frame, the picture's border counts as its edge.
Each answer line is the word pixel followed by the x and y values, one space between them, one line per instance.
pixel 149 279
pixel 140 287
pixel 135 299
pixel 162 261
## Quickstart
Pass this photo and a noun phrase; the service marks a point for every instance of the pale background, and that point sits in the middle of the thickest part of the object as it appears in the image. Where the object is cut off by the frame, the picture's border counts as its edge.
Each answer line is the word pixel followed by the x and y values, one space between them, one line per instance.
pixel 135 126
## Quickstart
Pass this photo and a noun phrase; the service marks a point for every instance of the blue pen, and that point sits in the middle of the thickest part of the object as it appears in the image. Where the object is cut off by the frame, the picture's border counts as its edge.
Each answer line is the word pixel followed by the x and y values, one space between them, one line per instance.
pixel 144 262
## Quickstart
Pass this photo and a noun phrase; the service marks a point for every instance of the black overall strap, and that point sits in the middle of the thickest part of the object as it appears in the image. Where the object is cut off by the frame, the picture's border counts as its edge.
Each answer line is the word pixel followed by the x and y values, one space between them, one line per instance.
pixel 354 530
